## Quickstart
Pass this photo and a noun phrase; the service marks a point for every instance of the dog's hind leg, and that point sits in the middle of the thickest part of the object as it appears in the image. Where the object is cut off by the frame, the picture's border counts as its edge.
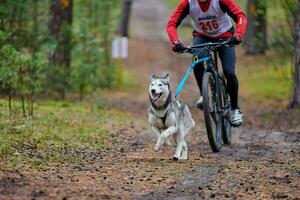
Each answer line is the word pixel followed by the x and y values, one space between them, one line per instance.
pixel 179 141
pixel 184 154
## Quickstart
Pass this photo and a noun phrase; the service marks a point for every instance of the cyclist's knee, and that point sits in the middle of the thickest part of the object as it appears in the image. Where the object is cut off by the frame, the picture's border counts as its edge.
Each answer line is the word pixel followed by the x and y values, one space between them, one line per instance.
pixel 231 77
pixel 229 74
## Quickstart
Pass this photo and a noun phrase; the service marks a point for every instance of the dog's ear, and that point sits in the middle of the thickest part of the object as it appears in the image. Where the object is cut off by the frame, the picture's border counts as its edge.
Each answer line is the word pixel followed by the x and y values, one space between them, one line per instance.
pixel 167 76
pixel 153 77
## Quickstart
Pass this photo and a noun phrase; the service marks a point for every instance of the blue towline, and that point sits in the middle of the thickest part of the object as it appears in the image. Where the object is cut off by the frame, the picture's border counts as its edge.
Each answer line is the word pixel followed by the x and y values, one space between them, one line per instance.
pixel 184 79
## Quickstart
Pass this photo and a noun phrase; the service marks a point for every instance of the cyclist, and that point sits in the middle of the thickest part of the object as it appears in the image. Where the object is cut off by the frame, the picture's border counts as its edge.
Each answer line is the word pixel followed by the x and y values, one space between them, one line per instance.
pixel 211 21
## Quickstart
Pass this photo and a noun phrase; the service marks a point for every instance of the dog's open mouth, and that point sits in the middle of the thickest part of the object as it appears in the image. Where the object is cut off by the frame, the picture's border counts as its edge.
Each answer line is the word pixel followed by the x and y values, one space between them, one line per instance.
pixel 155 97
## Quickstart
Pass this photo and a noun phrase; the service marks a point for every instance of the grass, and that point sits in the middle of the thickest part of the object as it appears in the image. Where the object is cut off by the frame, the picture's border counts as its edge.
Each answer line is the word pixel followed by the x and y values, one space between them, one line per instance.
pixel 264 79
pixel 55 135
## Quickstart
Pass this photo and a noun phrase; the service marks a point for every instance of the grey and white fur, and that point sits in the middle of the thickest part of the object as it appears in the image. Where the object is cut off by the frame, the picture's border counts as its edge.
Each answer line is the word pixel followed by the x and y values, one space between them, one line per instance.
pixel 168 117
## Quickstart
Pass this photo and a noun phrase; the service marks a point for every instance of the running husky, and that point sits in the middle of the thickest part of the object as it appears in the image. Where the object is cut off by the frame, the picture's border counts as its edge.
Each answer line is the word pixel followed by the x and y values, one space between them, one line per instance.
pixel 168 117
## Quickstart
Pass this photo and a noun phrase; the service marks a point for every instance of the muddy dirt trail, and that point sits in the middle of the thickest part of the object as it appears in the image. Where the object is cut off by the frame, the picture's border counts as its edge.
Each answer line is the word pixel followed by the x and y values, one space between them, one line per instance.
pixel 260 164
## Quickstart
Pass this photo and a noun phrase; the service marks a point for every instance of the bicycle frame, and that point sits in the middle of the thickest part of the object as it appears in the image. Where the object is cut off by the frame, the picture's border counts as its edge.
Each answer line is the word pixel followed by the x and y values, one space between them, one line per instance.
pixel 220 81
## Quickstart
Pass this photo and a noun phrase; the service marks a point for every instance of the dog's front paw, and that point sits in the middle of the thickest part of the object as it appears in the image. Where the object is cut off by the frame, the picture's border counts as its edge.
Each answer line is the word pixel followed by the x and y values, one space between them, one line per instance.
pixel 175 158
pixel 183 158
pixel 159 143
pixel 156 147
pixel 168 143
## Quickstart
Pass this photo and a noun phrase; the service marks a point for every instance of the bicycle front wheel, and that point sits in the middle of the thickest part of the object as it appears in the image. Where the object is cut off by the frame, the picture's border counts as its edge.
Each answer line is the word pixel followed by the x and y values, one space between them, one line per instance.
pixel 211 108
pixel 226 117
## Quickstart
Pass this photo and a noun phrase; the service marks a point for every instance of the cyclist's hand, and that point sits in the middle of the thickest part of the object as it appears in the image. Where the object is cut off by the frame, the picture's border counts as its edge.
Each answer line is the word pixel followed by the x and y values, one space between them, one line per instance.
pixel 177 46
pixel 234 40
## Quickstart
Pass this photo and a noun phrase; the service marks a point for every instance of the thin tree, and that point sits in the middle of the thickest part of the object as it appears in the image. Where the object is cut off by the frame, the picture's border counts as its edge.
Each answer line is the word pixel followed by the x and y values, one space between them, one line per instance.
pixel 61 15
pixel 295 103
pixel 124 23
pixel 256 35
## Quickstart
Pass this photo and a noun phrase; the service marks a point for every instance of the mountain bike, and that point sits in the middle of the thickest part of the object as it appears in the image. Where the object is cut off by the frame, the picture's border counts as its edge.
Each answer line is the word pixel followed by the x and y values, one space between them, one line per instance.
pixel 216 101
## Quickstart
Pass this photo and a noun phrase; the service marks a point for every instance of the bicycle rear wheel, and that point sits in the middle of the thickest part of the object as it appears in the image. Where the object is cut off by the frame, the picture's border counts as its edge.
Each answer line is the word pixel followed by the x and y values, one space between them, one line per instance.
pixel 212 116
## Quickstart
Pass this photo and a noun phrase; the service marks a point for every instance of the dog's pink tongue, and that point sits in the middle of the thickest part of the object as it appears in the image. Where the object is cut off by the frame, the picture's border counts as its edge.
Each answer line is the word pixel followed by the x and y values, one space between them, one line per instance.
pixel 154 98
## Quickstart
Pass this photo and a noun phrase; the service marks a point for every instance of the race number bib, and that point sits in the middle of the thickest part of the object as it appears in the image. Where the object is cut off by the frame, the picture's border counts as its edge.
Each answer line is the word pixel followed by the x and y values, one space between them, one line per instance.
pixel 209 26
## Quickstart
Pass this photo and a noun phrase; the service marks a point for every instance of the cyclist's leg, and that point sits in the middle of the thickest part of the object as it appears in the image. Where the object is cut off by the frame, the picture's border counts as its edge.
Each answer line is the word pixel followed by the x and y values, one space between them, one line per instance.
pixel 228 58
pixel 199 68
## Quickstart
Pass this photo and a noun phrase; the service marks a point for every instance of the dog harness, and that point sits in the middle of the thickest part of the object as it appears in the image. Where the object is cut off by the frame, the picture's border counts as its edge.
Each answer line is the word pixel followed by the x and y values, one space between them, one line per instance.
pixel 162 118
pixel 166 107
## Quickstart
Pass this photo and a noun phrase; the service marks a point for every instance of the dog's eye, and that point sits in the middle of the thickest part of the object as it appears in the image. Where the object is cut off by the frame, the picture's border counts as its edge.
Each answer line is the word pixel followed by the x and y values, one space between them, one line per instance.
pixel 160 85
pixel 151 84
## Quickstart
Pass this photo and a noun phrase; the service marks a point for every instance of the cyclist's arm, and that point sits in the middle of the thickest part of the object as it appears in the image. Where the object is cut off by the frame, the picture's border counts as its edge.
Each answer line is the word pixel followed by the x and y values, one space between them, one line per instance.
pixel 229 7
pixel 176 18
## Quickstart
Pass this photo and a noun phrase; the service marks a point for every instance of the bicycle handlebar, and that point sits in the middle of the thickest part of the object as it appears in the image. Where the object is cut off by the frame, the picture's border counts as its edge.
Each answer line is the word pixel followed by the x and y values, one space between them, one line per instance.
pixel 208 45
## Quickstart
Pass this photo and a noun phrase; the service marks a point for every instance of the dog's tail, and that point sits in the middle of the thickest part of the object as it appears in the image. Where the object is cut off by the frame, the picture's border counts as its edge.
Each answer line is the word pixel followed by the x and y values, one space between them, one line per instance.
pixel 193 123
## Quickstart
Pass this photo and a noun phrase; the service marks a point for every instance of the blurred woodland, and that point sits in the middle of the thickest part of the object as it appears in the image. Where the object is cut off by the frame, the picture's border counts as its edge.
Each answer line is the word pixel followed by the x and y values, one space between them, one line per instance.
pixel 52 48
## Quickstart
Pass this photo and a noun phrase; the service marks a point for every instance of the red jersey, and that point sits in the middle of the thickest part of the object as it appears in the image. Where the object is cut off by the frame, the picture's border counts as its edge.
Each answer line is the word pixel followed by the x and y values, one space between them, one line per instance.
pixel 210 18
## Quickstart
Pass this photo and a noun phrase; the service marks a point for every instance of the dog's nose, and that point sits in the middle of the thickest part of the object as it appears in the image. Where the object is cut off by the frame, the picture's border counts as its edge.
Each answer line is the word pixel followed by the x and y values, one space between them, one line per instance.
pixel 153 91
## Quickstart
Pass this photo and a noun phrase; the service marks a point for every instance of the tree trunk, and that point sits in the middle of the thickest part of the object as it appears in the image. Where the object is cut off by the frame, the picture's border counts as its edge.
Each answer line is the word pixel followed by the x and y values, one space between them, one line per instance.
pixel 34 52
pixel 23 106
pixel 256 35
pixel 9 101
pixel 261 28
pixel 61 14
pixel 35 25
pixel 105 15
pixel 295 103
pixel 124 23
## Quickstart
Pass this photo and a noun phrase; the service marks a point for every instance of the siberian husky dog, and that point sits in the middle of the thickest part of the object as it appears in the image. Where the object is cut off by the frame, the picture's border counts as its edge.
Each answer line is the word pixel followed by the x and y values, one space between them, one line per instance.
pixel 168 117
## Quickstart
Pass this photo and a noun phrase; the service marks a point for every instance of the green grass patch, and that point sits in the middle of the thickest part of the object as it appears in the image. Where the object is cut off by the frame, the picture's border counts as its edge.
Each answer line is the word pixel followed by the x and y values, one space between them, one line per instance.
pixel 57 132
pixel 269 117
pixel 265 79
